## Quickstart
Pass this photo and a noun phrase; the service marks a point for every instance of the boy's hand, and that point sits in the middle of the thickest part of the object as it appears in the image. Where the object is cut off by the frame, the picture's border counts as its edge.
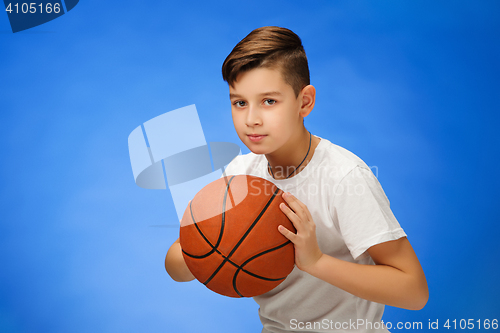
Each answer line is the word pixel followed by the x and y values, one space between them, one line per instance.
pixel 307 251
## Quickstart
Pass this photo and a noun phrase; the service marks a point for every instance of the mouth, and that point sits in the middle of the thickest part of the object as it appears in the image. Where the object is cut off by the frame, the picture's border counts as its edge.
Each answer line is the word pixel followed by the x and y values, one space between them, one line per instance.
pixel 255 137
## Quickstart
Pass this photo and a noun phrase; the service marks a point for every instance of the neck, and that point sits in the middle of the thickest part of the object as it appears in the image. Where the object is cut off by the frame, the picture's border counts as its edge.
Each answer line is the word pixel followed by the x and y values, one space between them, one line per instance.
pixel 286 162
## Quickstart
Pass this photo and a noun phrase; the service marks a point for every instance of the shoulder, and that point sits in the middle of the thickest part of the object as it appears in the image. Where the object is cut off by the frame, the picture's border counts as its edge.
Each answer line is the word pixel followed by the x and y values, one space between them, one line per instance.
pixel 337 161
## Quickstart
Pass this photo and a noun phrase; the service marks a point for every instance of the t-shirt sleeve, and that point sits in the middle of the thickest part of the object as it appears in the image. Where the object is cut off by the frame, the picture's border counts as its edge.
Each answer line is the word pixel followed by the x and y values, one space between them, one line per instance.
pixel 363 211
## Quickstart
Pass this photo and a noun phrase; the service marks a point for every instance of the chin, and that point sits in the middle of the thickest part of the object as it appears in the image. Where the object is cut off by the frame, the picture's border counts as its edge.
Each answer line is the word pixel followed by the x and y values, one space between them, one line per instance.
pixel 255 148
pixel 256 151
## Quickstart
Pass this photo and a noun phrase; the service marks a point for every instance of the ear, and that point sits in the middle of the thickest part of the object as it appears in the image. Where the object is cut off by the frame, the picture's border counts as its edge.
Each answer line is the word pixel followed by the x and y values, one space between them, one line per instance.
pixel 308 98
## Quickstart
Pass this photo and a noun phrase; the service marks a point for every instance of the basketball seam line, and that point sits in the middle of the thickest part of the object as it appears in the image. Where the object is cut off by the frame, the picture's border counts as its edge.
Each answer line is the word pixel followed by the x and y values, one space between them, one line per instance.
pixel 255 275
pixel 226 258
pixel 240 267
pixel 214 248
pixel 243 237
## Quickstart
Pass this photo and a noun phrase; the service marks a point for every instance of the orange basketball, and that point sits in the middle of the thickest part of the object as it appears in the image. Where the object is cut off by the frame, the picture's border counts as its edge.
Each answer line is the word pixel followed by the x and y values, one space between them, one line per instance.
pixel 230 240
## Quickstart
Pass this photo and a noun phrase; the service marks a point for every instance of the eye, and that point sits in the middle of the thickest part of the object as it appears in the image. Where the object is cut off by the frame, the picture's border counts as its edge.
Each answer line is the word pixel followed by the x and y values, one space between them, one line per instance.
pixel 239 104
pixel 269 101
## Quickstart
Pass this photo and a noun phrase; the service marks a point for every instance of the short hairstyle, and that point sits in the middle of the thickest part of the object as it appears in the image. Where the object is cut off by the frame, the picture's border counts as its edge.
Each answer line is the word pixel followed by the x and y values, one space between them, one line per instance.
pixel 269 47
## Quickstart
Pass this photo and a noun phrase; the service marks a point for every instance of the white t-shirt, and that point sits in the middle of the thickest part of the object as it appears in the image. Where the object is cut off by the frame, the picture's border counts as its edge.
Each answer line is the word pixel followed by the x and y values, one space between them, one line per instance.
pixel 351 213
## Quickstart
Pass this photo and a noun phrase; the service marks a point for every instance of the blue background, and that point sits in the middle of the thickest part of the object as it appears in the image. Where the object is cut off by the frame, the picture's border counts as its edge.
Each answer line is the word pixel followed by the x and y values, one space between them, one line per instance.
pixel 410 87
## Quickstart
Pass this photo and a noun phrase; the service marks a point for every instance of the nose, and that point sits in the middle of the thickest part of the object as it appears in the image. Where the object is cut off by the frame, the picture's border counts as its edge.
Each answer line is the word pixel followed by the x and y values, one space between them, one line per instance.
pixel 253 117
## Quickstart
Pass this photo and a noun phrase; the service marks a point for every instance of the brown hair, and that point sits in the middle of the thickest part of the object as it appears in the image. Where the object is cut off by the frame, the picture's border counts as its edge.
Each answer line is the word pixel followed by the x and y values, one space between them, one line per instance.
pixel 270 47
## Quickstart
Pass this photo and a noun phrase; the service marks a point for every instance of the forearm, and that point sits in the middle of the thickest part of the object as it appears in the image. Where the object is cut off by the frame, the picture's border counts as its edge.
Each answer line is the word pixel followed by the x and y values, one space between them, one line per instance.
pixel 397 279
pixel 378 283
pixel 175 265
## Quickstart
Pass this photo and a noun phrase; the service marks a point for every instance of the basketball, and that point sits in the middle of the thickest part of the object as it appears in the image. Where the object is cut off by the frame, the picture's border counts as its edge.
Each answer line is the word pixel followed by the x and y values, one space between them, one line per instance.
pixel 230 240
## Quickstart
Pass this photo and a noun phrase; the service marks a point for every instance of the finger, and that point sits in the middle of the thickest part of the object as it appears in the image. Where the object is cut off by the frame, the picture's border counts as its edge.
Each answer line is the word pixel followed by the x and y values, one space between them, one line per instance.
pixel 292 216
pixel 296 205
pixel 293 201
pixel 287 233
pixel 302 211
pixel 308 214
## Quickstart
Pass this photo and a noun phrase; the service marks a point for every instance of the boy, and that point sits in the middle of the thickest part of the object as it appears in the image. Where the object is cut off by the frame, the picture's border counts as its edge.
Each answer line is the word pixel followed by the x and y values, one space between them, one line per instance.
pixel 351 255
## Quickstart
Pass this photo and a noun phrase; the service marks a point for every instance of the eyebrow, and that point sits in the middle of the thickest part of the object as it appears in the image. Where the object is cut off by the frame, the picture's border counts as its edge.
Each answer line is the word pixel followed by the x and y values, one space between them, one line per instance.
pixel 269 93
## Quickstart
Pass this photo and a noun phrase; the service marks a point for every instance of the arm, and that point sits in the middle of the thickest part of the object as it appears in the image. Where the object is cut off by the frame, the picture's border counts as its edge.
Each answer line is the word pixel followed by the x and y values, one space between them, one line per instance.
pixel 175 265
pixel 397 279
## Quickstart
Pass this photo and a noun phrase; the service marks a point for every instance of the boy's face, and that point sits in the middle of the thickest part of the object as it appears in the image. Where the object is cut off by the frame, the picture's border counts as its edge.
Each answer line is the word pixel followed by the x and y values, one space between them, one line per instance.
pixel 263 104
